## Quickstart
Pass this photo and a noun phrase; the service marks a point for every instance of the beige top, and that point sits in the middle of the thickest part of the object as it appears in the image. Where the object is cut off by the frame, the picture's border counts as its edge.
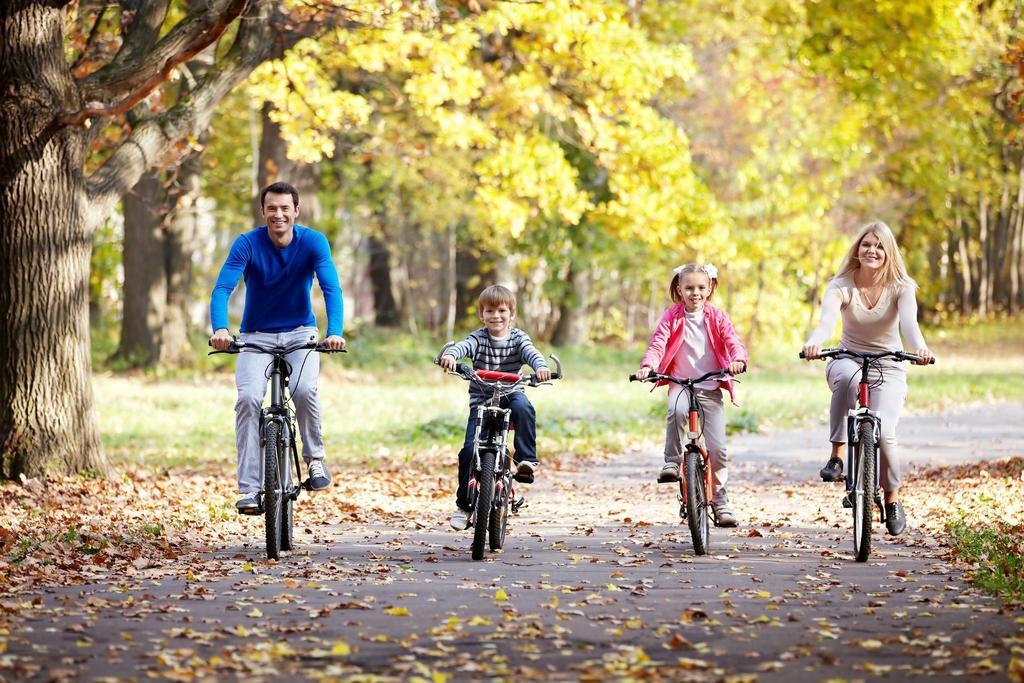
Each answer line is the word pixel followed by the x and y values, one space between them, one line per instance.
pixel 869 329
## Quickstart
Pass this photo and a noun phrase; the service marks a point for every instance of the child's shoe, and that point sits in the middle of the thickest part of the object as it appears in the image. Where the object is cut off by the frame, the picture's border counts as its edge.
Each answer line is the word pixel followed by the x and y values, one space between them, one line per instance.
pixel 460 519
pixel 724 516
pixel 525 469
pixel 669 473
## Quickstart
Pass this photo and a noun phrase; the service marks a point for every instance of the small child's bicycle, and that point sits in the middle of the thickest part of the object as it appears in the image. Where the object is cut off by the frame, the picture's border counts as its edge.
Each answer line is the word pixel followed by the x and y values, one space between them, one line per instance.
pixel 279 473
pixel 863 456
pixel 491 491
pixel 694 505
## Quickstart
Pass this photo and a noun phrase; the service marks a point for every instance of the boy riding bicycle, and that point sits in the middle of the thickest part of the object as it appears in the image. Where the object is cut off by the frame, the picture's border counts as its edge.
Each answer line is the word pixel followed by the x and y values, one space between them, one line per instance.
pixel 278 262
pixel 500 347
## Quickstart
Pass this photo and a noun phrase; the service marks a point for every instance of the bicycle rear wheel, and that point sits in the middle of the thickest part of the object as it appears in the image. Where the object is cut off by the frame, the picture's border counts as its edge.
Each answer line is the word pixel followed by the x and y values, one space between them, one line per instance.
pixel 696 501
pixel 272 498
pixel 864 490
pixel 484 496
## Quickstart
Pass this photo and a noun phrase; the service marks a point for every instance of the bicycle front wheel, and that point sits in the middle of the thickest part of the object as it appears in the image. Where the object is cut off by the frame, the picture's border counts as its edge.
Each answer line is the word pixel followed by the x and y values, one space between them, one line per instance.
pixel 863 490
pixel 696 501
pixel 272 498
pixel 484 496
pixel 287 504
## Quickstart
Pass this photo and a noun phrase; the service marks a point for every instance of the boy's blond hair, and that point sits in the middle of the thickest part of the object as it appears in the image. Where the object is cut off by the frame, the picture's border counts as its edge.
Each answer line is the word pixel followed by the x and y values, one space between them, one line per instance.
pixel 495 295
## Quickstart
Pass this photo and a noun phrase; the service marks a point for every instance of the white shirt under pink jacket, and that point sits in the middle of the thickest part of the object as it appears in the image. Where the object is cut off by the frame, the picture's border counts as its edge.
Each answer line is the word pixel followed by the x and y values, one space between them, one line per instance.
pixel 669 335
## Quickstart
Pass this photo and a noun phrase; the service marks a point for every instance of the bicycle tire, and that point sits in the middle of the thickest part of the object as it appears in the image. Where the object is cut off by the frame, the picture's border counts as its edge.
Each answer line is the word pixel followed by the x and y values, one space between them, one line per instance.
pixel 484 496
pixel 696 502
pixel 287 504
pixel 499 514
pixel 272 490
pixel 864 490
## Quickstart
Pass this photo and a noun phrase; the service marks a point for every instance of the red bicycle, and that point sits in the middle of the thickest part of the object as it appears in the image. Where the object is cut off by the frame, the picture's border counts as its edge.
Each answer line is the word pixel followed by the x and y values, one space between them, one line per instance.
pixel 694 505
pixel 863 431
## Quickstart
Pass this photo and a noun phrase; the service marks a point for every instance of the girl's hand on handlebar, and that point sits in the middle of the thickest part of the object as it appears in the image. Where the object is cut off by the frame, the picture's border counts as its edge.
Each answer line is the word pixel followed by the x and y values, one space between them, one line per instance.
pixel 925 356
pixel 812 351
pixel 447 362
pixel 335 342
pixel 643 372
pixel 543 375
pixel 737 367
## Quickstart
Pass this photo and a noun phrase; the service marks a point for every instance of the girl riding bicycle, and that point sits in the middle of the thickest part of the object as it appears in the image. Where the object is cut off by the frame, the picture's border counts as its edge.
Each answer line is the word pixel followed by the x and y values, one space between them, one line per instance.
pixel 692 338
pixel 876 299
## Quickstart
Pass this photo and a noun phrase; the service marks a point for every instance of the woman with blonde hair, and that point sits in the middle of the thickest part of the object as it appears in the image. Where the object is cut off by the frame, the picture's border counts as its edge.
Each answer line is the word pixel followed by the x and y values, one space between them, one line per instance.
pixel 875 297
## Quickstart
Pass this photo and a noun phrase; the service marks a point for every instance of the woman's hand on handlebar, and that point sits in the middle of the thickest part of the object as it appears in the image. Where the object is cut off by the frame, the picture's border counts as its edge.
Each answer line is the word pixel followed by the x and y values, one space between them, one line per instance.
pixel 221 339
pixel 447 362
pixel 811 351
pixel 924 356
pixel 642 373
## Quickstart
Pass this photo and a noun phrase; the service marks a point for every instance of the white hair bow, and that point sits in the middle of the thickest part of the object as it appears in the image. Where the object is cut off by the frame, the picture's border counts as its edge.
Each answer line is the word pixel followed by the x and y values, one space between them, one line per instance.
pixel 711 270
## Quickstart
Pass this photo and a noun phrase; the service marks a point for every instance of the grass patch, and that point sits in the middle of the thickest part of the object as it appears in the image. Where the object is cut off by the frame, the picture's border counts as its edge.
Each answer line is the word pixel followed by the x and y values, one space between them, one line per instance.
pixel 996 554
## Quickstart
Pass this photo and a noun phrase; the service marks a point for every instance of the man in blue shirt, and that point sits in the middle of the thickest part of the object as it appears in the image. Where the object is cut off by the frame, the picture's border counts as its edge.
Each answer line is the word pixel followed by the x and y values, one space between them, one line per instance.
pixel 278 262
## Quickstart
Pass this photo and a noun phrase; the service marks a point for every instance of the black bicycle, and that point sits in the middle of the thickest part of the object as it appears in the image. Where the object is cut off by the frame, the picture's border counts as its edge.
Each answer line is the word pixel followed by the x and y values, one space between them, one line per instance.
pixel 279 462
pixel 491 490
pixel 694 505
pixel 863 456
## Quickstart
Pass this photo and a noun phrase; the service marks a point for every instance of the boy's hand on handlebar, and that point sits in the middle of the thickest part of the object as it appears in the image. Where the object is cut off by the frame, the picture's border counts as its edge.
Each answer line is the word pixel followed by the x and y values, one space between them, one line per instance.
pixel 737 367
pixel 643 372
pixel 447 362
pixel 335 342
pixel 221 339
pixel 543 375
pixel 811 351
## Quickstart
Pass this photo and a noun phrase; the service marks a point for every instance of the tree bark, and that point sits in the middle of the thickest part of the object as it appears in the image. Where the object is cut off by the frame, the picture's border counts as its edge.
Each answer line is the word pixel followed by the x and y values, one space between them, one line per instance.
pixel 572 319
pixel 384 308
pixel 180 232
pixel 47 421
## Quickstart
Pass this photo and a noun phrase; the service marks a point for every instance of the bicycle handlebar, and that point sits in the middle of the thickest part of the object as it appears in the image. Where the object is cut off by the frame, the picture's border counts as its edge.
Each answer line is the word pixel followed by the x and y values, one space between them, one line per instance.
pixel 237 346
pixel 681 381
pixel 898 355
pixel 488 377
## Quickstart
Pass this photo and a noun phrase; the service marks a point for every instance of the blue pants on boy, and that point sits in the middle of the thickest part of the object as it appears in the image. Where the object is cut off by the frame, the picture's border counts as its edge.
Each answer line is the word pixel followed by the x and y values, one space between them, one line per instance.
pixel 524 417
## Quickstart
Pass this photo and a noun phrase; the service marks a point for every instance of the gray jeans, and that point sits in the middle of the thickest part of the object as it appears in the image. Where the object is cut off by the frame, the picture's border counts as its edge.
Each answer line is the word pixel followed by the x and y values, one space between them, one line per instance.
pixel 251 378
pixel 677 423
pixel 843 375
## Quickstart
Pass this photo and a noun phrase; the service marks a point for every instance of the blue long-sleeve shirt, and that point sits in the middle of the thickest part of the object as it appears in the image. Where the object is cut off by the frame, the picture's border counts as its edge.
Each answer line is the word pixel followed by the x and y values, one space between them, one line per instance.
pixel 278 282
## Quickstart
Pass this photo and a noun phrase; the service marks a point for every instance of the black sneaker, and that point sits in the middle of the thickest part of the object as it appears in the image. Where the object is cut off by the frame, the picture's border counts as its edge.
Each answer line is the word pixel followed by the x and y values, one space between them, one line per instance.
pixel 525 470
pixel 832 471
pixel 895 518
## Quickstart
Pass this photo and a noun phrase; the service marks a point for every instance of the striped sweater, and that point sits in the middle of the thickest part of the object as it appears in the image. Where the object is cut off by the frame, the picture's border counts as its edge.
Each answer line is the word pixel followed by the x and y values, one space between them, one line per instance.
pixel 501 355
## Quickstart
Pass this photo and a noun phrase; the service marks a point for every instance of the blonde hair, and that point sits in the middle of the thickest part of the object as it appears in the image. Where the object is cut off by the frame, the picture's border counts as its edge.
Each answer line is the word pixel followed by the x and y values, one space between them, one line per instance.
pixel 673 287
pixel 894 270
pixel 494 296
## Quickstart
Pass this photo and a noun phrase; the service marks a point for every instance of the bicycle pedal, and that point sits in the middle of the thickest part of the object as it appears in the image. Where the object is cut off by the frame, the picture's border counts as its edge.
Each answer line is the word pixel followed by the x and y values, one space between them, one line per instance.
pixel 847 503
pixel 517 505
pixel 524 478
pixel 252 512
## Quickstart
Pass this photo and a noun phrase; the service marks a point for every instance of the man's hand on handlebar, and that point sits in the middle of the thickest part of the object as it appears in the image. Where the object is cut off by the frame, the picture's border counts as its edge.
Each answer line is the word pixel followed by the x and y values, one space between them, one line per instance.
pixel 335 342
pixel 221 339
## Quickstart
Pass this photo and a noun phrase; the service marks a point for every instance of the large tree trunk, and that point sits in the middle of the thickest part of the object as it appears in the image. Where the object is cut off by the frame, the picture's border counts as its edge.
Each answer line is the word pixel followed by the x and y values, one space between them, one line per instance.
pixel 47 419
pixel 384 307
pixel 179 235
pixel 145 276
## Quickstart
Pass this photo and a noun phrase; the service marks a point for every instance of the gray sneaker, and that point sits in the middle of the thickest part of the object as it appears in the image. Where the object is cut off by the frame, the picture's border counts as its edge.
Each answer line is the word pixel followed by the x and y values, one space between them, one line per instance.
pixel 724 516
pixel 248 504
pixel 669 473
pixel 319 475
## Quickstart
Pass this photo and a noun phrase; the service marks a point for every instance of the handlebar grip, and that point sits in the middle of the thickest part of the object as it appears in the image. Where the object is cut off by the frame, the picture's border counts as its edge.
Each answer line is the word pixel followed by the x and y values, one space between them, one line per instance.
pixel 802 354
pixel 633 378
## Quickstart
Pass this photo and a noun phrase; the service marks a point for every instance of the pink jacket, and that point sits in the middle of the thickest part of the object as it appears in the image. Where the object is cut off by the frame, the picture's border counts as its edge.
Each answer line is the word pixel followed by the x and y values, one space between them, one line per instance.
pixel 668 337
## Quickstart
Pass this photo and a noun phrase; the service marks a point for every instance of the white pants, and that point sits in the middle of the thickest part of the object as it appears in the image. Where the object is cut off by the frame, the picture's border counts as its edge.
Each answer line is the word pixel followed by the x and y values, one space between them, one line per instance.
pixel 677 424
pixel 843 375
pixel 251 378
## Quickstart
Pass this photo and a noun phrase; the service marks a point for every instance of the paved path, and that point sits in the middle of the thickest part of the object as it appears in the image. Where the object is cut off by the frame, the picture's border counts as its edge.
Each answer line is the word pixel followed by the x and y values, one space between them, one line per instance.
pixel 597 580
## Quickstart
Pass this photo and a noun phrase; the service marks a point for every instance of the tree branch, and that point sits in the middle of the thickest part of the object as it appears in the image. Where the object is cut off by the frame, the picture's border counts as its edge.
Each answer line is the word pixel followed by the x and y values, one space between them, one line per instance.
pixel 91 39
pixel 142 31
pixel 137 78
pixel 155 139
